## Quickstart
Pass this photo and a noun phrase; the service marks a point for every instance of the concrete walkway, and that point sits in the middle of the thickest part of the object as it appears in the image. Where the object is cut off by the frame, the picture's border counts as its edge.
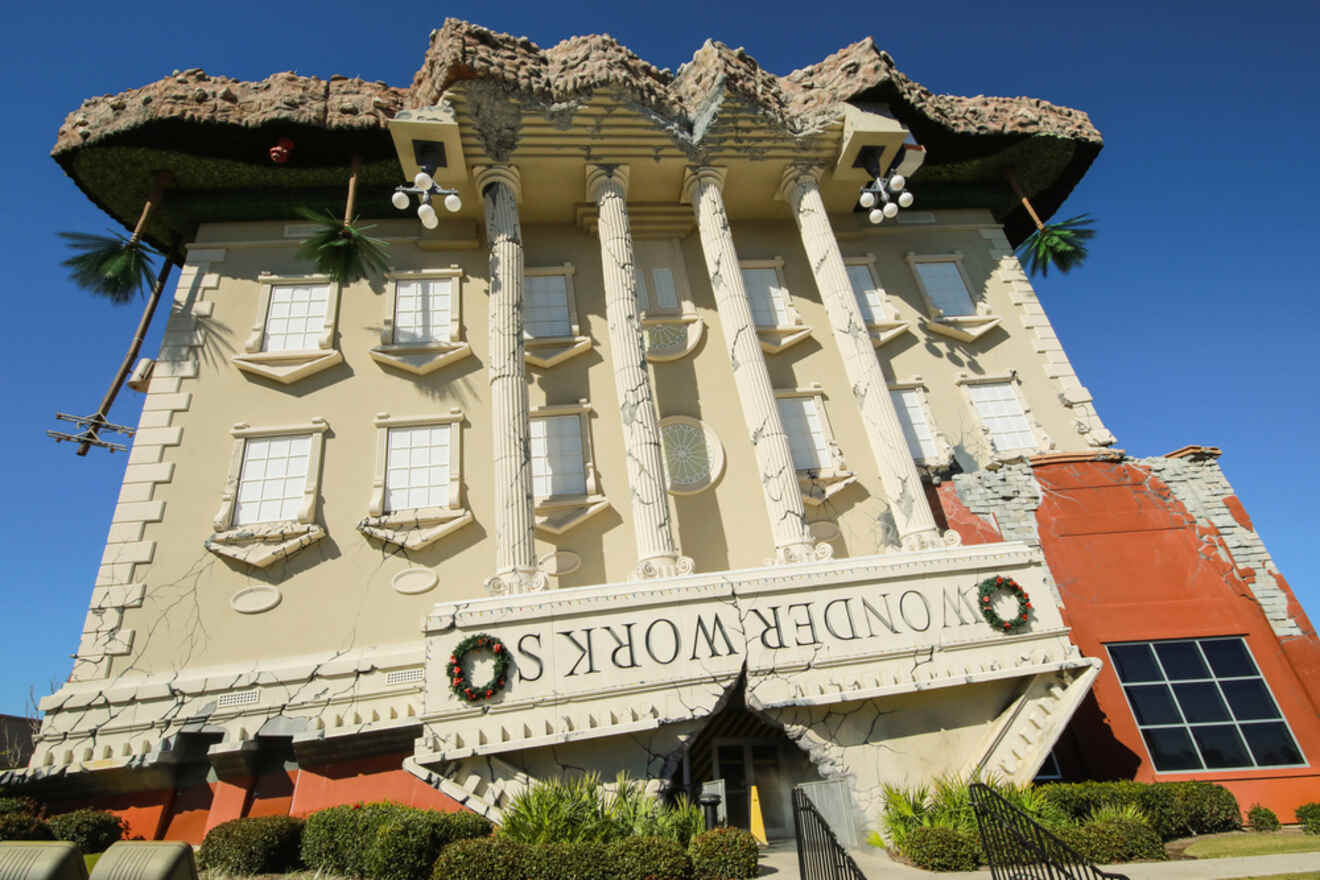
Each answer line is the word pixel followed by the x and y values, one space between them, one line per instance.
pixel 779 861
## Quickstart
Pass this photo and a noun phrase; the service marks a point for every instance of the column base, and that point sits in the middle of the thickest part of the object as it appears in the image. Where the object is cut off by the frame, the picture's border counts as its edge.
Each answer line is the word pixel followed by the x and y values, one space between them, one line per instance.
pixel 662 567
pixel 519 580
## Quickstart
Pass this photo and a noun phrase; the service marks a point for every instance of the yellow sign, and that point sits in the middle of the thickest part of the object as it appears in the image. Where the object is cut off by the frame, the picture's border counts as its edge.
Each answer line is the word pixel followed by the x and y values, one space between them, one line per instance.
pixel 757 823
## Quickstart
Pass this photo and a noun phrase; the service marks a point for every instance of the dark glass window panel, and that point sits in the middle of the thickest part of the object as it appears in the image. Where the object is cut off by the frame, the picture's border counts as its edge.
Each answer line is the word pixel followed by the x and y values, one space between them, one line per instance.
pixel 1250 699
pixel 1181 660
pixel 1272 744
pixel 1200 702
pixel 1221 746
pixel 1228 657
pixel 1171 749
pixel 1152 704
pixel 1134 663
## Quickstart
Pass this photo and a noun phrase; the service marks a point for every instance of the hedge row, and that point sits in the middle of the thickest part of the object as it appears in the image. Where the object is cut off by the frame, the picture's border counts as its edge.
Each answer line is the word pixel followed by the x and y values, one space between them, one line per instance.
pixel 1173 809
pixel 383 841
pixel 92 830
pixel 1308 816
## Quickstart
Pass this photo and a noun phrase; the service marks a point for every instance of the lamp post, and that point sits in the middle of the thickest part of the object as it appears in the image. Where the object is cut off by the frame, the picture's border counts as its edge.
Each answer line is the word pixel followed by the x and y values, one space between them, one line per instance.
pixel 884 195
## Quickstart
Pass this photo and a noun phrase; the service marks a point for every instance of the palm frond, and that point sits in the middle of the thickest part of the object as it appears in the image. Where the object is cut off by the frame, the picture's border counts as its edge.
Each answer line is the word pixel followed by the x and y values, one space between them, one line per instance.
pixel 110 265
pixel 343 250
pixel 1061 245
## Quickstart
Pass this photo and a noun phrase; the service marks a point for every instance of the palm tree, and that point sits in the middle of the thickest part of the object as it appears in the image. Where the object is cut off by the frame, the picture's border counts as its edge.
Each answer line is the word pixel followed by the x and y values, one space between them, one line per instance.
pixel 1061 244
pixel 342 250
pixel 116 268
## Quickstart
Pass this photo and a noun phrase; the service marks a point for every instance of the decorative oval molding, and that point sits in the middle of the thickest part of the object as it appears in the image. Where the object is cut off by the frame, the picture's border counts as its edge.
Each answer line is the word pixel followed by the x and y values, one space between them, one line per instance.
pixel 560 563
pixel 694 457
pixel 824 530
pixel 411 581
pixel 254 600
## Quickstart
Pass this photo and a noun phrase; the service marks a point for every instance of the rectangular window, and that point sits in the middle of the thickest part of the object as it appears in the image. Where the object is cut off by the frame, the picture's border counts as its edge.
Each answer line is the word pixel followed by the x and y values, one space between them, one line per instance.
pixel 945 288
pixel 546 310
pixel 656 291
pixel 999 409
pixel 295 320
pixel 768 298
pixel 557 459
pixel 273 479
pixel 916 427
pixel 870 298
pixel 1201 704
pixel 807 436
pixel 422 310
pixel 417 467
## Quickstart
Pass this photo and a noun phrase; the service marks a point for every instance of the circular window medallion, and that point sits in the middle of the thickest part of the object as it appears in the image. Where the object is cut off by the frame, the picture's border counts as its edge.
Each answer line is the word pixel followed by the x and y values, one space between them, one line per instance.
pixel 694 458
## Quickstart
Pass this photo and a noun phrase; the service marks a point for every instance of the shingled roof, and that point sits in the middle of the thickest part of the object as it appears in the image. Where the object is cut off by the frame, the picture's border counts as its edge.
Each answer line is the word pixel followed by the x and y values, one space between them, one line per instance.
pixel 110 143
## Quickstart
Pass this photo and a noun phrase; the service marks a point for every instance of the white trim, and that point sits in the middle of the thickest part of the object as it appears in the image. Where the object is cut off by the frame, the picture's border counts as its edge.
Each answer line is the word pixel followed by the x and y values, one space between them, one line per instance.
pixel 290 366
pixel 789 328
pixel 964 328
pixel 421 358
pixel 819 484
pixel 559 513
pixel 549 351
pixel 1014 382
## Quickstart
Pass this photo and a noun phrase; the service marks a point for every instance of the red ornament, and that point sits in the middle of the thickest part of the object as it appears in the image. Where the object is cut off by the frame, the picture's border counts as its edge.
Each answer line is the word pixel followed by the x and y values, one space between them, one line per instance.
pixel 490 693
pixel 457 682
pixel 1007 624
pixel 498 647
pixel 453 660
pixel 985 599
pixel 1028 604
pixel 501 682
pixel 279 154
pixel 999 580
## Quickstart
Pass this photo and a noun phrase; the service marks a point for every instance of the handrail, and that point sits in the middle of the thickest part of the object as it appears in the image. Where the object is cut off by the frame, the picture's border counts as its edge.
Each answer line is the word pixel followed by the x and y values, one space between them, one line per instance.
pixel 1018 848
pixel 820 855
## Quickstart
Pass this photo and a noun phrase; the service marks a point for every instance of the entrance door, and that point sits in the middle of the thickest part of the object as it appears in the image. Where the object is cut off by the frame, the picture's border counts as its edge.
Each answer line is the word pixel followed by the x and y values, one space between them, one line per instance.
pixel 744 763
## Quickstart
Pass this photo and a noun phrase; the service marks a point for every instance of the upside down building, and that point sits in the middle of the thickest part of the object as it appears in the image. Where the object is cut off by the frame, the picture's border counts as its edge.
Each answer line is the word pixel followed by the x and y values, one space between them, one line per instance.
pixel 655 455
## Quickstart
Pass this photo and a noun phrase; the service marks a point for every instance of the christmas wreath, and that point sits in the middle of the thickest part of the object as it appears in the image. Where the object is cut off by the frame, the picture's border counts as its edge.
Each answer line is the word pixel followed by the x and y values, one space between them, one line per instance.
pixel 459 682
pixel 986 592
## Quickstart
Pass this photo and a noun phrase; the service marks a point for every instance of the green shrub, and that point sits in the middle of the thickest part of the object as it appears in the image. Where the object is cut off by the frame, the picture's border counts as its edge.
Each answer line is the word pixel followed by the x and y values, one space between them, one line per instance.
pixel 22 826
pixel 1262 818
pixel 407 844
pixel 570 861
pixel 92 830
pixel 941 848
pixel 338 840
pixel 20 804
pixel 465 824
pixel 1165 812
pixel 1077 800
pixel 650 858
pixel 1308 813
pixel 1210 808
pixel 254 845
pixel 483 858
pixel 1112 840
pixel 560 811
pixel 723 854
pixel 1311 825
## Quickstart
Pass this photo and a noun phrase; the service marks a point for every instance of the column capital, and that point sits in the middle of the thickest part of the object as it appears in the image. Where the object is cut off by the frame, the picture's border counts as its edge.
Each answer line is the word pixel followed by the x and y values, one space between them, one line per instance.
pixel 599 172
pixel 484 175
pixel 794 173
pixel 694 174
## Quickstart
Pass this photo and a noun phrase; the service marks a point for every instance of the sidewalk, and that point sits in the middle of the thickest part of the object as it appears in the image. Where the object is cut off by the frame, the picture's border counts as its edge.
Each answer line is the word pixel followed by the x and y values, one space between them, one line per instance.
pixel 779 861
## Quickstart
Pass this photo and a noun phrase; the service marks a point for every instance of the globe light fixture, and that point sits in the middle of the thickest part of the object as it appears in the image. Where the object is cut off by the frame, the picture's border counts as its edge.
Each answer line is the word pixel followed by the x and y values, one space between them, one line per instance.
pixel 883 196
pixel 425 188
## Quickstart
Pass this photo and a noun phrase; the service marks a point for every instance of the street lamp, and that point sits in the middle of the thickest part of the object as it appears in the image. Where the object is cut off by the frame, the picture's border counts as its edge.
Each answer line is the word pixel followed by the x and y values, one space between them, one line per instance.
pixel 425 187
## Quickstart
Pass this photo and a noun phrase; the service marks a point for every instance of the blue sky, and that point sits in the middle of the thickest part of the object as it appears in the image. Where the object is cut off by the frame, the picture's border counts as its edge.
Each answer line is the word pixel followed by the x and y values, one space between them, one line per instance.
pixel 1191 323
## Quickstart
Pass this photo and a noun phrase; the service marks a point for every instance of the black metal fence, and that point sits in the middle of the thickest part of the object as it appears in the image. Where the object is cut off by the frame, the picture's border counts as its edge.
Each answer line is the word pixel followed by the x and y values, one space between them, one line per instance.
pixel 1019 849
pixel 820 856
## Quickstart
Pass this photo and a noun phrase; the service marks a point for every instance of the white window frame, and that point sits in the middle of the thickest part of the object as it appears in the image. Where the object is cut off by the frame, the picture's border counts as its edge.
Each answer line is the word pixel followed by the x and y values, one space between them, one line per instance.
pixel 416 527
pixel 260 544
pixel 1043 442
pixel 558 514
pixel 548 351
pixel 791 329
pixel 943 448
pixel 1188 725
pixel 287 367
pixel 421 358
pixel 670 334
pixel 964 328
pixel 823 484
pixel 886 325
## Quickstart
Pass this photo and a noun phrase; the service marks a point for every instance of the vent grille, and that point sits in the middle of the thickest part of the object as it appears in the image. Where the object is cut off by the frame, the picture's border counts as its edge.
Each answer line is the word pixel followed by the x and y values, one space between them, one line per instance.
pixel 300 230
pixel 404 676
pixel 242 698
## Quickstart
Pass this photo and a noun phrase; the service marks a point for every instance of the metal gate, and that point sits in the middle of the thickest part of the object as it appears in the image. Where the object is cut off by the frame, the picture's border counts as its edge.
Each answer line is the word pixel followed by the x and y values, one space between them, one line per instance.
pixel 820 856
pixel 1019 849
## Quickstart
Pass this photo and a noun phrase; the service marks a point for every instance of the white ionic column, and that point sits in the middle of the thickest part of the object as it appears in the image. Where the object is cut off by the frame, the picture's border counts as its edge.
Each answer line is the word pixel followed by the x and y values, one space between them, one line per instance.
pixel 779 484
pixel 908 520
pixel 657 554
pixel 515 526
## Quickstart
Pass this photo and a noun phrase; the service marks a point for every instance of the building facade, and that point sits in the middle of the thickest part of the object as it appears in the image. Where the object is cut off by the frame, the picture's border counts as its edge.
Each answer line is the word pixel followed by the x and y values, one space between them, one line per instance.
pixel 709 475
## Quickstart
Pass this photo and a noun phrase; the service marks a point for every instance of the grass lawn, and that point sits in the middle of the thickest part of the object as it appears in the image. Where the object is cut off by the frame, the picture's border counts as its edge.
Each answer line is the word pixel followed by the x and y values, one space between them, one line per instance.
pixel 1308 875
pixel 1252 843
pixel 90 861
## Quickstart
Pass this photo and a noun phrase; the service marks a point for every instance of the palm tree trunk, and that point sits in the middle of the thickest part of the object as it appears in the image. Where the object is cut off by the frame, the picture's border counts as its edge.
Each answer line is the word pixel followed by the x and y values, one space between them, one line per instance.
pixel 1026 202
pixel 352 190
pixel 143 323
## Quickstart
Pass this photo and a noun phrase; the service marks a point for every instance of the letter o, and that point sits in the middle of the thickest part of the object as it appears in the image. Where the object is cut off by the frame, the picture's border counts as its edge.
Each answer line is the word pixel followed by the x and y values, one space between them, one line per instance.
pixel 673 634
pixel 925 609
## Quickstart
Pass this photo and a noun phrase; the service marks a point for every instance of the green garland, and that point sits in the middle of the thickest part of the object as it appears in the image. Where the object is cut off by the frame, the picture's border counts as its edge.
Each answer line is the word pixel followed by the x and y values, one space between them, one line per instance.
pixel 986 591
pixel 458 678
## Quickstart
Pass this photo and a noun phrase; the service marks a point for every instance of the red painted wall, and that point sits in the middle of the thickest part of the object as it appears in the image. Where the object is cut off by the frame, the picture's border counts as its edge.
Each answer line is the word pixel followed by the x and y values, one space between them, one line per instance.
pixel 1132 563
pixel 378 778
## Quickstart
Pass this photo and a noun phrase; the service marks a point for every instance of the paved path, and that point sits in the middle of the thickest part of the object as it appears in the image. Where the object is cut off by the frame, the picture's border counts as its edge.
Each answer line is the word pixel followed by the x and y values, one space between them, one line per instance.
pixel 779 861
